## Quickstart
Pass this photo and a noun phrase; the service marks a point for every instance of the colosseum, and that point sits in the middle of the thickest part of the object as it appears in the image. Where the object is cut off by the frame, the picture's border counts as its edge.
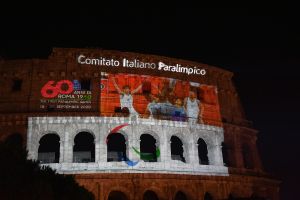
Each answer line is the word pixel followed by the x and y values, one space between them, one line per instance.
pixel 134 126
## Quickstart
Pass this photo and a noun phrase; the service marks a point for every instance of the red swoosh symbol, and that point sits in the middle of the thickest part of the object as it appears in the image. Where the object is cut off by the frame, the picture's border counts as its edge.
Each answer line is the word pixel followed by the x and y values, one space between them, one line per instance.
pixel 115 130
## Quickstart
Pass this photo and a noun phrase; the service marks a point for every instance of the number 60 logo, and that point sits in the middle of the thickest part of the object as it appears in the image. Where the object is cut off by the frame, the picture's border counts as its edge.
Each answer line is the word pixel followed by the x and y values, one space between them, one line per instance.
pixel 51 90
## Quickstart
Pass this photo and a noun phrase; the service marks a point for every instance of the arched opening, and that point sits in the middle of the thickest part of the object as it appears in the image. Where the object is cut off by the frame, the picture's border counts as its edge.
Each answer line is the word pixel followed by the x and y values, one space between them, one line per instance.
pixel 48 151
pixel 247 157
pixel 235 197
pixel 177 149
pixel 84 148
pixel 208 196
pixel 225 154
pixel 116 147
pixel 257 197
pixel 117 195
pixel 148 148
pixel 230 197
pixel 180 196
pixel 202 152
pixel 150 195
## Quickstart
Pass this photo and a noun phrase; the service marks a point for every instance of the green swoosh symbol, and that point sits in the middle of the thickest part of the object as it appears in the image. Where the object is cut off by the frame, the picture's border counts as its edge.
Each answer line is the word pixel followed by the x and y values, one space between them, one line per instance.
pixel 146 156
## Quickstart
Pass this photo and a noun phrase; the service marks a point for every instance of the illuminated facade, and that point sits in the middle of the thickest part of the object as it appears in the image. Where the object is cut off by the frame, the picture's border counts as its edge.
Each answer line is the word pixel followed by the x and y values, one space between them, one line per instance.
pixel 134 126
pixel 68 127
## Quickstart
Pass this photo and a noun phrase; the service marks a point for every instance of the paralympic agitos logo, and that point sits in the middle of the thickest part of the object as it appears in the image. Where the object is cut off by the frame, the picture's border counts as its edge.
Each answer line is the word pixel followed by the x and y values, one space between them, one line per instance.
pixel 142 155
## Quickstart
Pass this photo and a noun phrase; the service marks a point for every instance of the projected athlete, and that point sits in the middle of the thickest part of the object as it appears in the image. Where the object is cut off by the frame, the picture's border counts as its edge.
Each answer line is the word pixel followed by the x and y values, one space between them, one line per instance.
pixel 159 105
pixel 192 106
pixel 126 98
pixel 154 106
pixel 178 111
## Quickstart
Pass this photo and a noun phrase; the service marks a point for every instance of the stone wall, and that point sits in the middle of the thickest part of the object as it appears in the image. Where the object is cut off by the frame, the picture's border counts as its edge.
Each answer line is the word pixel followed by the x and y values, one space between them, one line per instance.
pixel 162 130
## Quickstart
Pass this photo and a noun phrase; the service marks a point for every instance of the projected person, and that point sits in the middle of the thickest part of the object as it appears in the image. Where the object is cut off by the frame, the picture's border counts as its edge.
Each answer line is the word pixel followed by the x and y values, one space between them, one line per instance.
pixel 160 103
pixel 126 98
pixel 154 106
pixel 193 107
pixel 178 111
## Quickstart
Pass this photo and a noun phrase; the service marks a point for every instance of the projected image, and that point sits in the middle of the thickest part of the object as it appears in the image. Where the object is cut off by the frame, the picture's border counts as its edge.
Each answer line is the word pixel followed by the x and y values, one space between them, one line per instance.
pixel 66 95
pixel 144 96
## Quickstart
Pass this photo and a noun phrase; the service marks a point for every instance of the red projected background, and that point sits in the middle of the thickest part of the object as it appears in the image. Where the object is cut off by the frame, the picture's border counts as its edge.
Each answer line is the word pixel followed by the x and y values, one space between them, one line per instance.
pixel 158 97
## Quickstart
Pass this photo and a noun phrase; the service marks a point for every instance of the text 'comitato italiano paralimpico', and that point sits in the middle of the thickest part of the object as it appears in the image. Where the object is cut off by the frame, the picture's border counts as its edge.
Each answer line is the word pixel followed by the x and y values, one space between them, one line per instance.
pixel 137 64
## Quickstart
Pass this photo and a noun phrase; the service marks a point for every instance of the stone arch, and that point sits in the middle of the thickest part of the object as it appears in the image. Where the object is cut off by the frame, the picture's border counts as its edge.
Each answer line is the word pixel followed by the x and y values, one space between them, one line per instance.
pixel 181 195
pixel 82 130
pixel 49 148
pixel 117 195
pixel 231 196
pixel 177 149
pixel 152 133
pixel 122 189
pixel 160 194
pixel 208 138
pixel 148 148
pixel 202 152
pixel 42 134
pixel 84 147
pixel 117 148
pixel 208 196
pixel 180 135
pixel 124 133
pixel 185 141
pixel 150 195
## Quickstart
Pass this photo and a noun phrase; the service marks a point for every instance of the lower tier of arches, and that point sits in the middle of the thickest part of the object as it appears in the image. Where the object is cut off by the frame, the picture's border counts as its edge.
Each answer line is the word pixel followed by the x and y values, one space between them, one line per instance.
pixel 178 187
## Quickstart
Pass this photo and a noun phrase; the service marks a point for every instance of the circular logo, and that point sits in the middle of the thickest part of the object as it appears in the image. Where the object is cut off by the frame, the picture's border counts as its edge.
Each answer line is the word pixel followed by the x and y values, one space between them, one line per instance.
pixel 127 160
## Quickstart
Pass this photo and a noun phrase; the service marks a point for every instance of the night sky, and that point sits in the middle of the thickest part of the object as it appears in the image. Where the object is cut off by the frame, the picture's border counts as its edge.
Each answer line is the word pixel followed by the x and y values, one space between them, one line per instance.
pixel 259 44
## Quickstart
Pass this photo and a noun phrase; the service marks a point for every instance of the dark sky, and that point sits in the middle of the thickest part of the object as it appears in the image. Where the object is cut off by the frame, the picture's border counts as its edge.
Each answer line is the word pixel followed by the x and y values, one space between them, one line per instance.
pixel 258 43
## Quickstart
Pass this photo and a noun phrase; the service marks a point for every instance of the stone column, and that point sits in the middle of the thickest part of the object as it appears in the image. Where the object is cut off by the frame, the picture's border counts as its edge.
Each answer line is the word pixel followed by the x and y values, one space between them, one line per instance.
pixel 29 145
pixel 169 151
pixel 194 158
pixel 215 155
pixel 34 144
pixel 68 148
pixel 32 147
pixel 133 142
pixel 185 153
pixel 165 148
pixel 33 153
pixel 97 149
pixel 102 151
pixel 61 151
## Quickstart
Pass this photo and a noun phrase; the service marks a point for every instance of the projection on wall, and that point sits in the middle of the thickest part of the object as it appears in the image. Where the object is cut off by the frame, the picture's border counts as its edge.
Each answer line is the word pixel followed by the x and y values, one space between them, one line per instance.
pixel 129 95
pixel 66 94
